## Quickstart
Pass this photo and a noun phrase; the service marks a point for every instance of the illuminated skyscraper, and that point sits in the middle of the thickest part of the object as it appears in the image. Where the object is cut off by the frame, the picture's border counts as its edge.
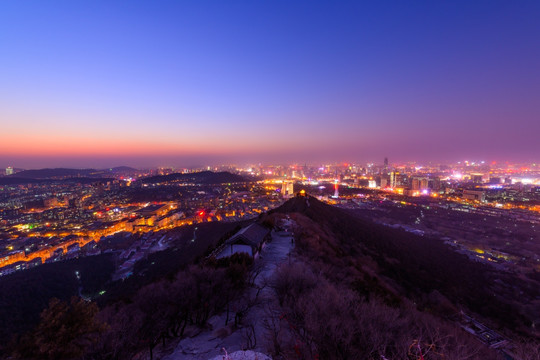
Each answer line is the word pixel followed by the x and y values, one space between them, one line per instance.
pixel 9 170
pixel 336 189
pixel 419 183
pixel 394 179
pixel 287 189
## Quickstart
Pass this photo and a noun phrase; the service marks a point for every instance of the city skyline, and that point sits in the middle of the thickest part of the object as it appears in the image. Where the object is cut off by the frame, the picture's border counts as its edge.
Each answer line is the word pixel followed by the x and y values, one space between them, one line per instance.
pixel 186 84
pixel 176 165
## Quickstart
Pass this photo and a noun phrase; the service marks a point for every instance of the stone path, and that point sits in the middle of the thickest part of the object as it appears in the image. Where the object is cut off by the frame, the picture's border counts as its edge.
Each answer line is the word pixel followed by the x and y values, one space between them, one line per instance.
pixel 210 344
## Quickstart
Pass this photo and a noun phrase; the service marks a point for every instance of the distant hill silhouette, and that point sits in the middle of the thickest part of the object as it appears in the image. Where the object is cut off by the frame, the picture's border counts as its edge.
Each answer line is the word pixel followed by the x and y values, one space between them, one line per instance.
pixel 81 175
pixel 59 173
pixel 123 169
pixel 11 180
pixel 203 177
pixel 8 180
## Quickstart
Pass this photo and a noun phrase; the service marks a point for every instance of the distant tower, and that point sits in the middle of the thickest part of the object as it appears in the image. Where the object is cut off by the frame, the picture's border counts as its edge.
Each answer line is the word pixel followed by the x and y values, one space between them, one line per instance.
pixel 9 170
pixel 336 189
pixel 386 162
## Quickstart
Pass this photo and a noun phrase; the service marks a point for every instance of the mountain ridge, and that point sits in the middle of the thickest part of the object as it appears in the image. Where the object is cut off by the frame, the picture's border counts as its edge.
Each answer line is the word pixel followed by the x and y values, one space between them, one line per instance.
pixel 416 267
pixel 202 177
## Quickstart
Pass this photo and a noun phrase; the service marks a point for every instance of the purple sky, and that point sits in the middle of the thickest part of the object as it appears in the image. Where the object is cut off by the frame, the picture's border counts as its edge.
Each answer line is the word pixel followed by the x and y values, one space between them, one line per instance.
pixel 186 83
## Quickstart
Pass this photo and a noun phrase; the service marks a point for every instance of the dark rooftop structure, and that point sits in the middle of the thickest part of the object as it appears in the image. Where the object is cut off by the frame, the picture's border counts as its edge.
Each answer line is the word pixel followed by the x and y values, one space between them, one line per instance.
pixel 249 240
pixel 151 210
pixel 253 235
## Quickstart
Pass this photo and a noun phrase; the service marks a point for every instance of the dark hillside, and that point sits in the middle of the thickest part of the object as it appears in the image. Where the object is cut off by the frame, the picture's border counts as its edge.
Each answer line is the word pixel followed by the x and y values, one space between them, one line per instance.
pixel 11 180
pixel 203 177
pixel 165 264
pixel 8 180
pixel 59 173
pixel 24 294
pixel 122 169
pixel 414 266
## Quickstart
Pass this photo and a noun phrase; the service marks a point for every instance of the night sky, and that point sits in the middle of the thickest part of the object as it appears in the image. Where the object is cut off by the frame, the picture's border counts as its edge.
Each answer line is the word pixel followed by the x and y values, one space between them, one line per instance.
pixel 179 83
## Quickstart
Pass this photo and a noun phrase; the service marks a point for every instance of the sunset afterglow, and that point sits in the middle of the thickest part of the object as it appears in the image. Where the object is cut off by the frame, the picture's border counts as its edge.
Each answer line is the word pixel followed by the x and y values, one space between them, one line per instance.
pixel 246 81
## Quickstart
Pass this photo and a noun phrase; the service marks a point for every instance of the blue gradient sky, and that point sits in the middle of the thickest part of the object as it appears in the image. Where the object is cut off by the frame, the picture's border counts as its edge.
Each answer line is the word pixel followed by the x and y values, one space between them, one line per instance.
pixel 92 83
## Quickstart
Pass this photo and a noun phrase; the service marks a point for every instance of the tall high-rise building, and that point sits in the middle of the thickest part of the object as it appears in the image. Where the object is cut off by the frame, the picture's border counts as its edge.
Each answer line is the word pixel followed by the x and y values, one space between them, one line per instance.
pixel 9 170
pixel 287 189
pixel 394 176
pixel 419 183
pixel 476 178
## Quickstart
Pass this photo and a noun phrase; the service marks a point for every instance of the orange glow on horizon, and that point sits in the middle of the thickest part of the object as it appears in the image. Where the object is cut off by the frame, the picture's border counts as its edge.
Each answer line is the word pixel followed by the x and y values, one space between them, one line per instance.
pixel 44 146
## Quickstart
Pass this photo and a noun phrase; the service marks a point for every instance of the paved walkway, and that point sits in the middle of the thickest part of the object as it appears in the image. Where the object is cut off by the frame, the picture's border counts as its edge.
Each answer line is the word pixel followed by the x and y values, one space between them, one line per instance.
pixel 210 344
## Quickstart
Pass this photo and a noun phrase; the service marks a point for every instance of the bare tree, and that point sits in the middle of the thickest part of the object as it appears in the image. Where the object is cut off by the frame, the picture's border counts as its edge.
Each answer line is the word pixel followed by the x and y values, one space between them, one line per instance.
pixel 250 337
pixel 326 320
pixel 527 350
pixel 66 331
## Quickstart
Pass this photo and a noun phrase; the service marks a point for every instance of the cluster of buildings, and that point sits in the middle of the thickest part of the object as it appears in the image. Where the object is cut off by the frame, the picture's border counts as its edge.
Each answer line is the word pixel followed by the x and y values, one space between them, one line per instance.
pixel 475 182
pixel 42 217
pixel 48 221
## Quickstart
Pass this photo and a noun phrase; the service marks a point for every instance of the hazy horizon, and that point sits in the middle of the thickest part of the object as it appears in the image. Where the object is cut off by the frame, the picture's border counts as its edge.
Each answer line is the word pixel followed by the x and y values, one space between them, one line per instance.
pixel 200 162
pixel 142 84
